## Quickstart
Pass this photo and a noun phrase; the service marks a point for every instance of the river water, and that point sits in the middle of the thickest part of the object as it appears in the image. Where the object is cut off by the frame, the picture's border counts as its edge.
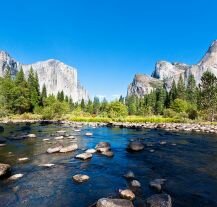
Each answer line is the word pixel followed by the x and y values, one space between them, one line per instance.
pixel 188 161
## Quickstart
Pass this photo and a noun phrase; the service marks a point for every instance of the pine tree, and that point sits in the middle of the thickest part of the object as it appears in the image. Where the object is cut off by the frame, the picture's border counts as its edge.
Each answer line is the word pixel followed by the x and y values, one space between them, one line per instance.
pixel 43 94
pixel 82 104
pixel 160 100
pixel 131 104
pixel 172 93
pixel 96 105
pixel 181 88
pixel 191 90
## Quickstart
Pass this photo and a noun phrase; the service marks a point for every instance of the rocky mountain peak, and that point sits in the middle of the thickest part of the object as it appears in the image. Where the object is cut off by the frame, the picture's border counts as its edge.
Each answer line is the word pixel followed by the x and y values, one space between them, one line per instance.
pixel 165 72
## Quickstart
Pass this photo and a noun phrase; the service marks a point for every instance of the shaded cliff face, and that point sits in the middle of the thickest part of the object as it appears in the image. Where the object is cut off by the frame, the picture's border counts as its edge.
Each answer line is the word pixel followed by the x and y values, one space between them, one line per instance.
pixel 165 72
pixel 56 75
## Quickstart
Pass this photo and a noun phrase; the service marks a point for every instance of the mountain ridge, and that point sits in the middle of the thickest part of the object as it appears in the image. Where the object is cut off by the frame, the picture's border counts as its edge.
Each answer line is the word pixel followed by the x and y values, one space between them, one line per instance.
pixel 165 72
pixel 56 75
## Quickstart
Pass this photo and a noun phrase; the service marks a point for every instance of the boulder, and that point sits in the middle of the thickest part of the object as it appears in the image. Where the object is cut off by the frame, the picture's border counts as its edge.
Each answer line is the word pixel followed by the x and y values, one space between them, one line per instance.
pixel 69 148
pixel 135 183
pixel 58 138
pixel 23 159
pixel 61 132
pixel 89 134
pixel 79 178
pixel 157 184
pixel 159 200
pixel 54 149
pixel 135 146
pixel 44 140
pixel 127 194
pixel 84 156
pixel 108 153
pixel 129 174
pixel 31 136
pixel 91 151
pixel 103 147
pixel 47 165
pixel 2 145
pixel 108 202
pixel 5 170
pixel 15 177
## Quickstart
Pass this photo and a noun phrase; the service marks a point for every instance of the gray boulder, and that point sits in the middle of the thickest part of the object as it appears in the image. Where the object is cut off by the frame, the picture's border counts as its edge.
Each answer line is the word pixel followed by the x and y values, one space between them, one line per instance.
pixel 108 202
pixel 159 200
pixel 5 170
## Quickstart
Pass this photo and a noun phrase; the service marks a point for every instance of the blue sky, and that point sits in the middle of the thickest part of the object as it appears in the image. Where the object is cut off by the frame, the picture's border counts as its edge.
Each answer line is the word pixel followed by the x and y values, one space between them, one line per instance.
pixel 108 41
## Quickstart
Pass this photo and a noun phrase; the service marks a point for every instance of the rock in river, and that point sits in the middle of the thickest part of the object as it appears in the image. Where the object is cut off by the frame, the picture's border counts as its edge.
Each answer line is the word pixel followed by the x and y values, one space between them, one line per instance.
pixel 103 147
pixel 159 200
pixel 5 170
pixel 135 146
pixel 91 151
pixel 79 178
pixel 157 184
pixel 127 194
pixel 108 153
pixel 31 136
pixel 54 149
pixel 108 202
pixel 135 183
pixel 89 134
pixel 23 159
pixel 84 156
pixel 129 174
pixel 15 177
pixel 70 148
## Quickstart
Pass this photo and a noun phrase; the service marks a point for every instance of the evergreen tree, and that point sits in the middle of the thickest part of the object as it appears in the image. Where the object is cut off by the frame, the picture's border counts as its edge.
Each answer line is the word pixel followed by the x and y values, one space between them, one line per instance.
pixel 208 94
pixel 172 93
pixel 191 90
pixel 89 107
pixel 160 100
pixel 121 99
pixel 96 105
pixel 43 94
pixel 131 104
pixel 181 88
pixel 82 104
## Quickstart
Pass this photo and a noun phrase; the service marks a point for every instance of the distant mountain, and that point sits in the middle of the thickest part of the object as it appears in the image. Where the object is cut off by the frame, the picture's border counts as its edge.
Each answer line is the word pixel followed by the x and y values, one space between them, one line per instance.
pixel 56 75
pixel 166 72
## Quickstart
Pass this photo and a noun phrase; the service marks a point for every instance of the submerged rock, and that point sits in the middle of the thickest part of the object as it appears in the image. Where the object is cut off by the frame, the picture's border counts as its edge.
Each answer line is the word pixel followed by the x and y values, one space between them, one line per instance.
pixel 127 194
pixel 70 148
pixel 5 170
pixel 108 202
pixel 129 174
pixel 159 200
pixel 15 177
pixel 54 149
pixel 108 153
pixel 84 156
pixel 136 146
pixel 80 178
pixel 157 184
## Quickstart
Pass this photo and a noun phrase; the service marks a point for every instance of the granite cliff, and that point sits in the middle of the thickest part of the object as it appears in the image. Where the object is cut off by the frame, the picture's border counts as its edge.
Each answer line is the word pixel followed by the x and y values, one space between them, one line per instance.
pixel 165 72
pixel 56 75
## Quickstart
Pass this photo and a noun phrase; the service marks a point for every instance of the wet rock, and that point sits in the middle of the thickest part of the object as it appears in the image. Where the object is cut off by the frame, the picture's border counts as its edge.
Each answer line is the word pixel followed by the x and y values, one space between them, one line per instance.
pixel 89 134
pixel 157 184
pixel 108 153
pixel 44 140
pixel 84 156
pixel 23 159
pixel 163 142
pixel 58 138
pixel 61 132
pixel 54 149
pixel 30 136
pixel 127 194
pixel 151 150
pixel 103 147
pixel 47 165
pixel 71 137
pixel 70 148
pixel 5 170
pixel 77 130
pixel 159 200
pixel 129 175
pixel 108 202
pixel 2 145
pixel 79 178
pixel 91 151
pixel 135 146
pixel 135 183
pixel 15 177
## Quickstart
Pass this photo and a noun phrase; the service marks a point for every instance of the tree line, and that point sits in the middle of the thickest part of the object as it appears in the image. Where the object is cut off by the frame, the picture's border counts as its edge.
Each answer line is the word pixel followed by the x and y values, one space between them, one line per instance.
pixel 22 94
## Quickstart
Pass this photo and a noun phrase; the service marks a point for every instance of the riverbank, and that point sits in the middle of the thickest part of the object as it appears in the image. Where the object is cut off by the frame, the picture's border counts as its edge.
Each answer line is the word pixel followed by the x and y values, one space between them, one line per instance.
pixel 185 127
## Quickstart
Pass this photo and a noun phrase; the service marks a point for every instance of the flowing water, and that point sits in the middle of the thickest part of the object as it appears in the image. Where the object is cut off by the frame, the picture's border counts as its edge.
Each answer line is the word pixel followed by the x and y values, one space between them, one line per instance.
pixel 190 166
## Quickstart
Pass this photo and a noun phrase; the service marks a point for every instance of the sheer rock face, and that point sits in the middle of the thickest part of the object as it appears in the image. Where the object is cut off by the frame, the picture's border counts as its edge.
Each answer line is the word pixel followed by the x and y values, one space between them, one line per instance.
pixel 165 72
pixel 56 75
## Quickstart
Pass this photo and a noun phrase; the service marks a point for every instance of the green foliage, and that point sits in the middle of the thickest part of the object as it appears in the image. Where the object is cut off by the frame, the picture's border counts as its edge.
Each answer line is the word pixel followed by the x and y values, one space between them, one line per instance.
pixel 179 105
pixel 181 88
pixel 117 109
